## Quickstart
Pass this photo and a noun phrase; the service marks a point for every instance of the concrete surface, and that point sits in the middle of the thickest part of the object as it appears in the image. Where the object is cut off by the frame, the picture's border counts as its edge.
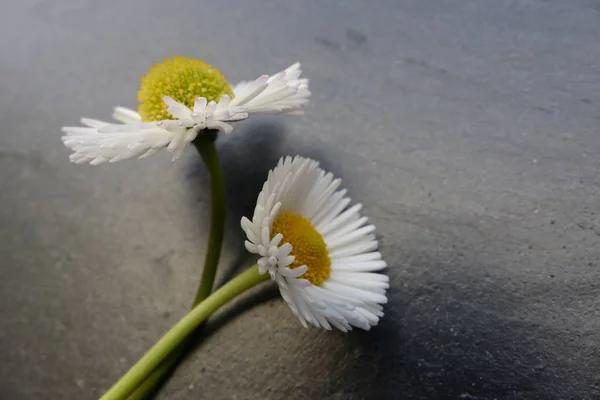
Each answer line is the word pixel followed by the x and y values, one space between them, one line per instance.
pixel 469 129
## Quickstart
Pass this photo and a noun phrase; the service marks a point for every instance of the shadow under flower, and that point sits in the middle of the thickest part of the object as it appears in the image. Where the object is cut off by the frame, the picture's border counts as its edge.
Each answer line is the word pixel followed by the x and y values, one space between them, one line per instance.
pixel 449 332
pixel 440 341
pixel 246 156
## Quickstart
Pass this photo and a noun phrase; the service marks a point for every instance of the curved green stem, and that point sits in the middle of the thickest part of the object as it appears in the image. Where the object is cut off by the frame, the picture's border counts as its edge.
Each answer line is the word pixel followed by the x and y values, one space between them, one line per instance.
pixel 154 381
pixel 132 379
pixel 205 143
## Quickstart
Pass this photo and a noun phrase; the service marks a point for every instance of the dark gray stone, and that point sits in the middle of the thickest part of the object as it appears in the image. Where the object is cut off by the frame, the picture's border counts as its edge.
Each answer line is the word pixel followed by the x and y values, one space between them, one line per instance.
pixel 468 129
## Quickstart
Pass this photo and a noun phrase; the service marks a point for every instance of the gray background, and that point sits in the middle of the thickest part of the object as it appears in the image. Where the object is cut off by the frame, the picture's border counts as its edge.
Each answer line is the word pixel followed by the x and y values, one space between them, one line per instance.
pixel 468 129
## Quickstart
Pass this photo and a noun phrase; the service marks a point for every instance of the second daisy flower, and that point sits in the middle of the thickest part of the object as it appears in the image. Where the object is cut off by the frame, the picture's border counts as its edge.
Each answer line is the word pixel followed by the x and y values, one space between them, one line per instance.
pixel 321 252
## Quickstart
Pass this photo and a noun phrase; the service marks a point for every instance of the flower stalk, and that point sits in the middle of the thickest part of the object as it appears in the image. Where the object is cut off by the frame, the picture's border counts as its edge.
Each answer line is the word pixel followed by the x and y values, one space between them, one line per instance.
pixel 205 144
pixel 176 335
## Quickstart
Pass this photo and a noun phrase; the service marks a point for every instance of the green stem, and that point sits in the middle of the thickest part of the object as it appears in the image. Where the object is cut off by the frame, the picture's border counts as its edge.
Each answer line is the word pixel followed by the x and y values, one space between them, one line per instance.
pixel 160 373
pixel 176 335
pixel 205 144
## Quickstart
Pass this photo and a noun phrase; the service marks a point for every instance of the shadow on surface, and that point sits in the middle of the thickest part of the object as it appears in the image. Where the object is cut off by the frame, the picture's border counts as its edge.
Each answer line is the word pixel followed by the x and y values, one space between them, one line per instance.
pixel 440 341
pixel 246 302
pixel 452 337
pixel 247 155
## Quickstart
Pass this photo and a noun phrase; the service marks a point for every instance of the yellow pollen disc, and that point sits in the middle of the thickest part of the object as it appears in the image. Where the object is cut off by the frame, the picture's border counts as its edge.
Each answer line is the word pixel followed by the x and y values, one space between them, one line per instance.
pixel 183 79
pixel 308 246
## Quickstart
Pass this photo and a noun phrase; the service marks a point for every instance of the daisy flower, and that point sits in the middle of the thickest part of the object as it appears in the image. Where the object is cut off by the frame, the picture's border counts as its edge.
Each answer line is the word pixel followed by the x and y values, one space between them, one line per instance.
pixel 318 249
pixel 179 98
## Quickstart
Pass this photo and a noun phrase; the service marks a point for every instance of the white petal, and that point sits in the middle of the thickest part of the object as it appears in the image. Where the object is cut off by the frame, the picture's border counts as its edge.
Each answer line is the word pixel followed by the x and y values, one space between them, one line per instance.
pixel 176 109
pixel 360 294
pixel 293 272
pixel 96 148
pixel 284 250
pixel 360 275
pixel 93 123
pixel 358 266
pixel 281 93
pixel 126 116
pixel 350 237
pixel 251 247
pixel 347 251
pixel 200 104
pixel 372 285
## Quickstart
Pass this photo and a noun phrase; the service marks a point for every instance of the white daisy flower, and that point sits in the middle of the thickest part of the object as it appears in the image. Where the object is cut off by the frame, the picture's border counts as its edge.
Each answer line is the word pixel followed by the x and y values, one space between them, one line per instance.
pixel 178 99
pixel 320 251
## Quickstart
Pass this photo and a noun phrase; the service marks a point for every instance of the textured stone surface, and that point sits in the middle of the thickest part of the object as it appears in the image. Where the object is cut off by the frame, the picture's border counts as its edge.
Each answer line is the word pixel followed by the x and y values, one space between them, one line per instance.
pixel 468 129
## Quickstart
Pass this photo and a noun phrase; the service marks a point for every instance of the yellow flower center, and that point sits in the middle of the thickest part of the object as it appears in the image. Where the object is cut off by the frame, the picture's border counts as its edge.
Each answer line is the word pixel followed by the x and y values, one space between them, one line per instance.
pixel 183 79
pixel 308 246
